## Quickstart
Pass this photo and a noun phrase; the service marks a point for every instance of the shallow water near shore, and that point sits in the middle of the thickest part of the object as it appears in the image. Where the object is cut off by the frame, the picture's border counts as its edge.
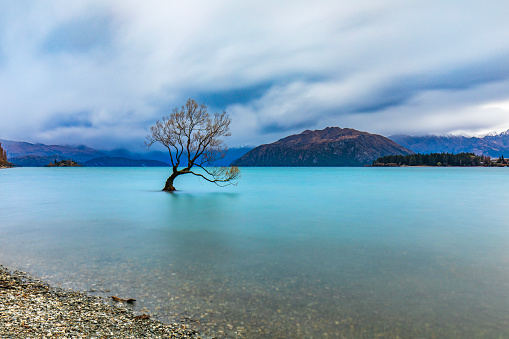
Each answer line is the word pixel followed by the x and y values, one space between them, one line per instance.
pixel 288 253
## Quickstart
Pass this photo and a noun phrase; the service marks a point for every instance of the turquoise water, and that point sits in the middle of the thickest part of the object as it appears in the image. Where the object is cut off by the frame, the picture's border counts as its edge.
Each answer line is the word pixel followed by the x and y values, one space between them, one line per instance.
pixel 288 253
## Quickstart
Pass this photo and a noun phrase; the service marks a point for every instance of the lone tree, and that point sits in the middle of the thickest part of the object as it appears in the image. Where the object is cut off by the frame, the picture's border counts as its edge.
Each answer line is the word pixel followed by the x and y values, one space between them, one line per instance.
pixel 193 138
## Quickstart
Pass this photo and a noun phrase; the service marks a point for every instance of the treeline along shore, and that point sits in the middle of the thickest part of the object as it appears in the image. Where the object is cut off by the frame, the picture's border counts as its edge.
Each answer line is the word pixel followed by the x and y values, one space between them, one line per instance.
pixel 440 159
pixel 30 308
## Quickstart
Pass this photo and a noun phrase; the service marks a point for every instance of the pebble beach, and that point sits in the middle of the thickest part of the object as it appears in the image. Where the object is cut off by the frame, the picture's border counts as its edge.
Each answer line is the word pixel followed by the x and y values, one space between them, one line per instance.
pixel 31 308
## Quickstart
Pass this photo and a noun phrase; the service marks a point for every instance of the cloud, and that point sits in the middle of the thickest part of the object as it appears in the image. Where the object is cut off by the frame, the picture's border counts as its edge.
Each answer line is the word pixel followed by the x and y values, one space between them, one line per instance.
pixel 101 72
pixel 79 119
pixel 446 112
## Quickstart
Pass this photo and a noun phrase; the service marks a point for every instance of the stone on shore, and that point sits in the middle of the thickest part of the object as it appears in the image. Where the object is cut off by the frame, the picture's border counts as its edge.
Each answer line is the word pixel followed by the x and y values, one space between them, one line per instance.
pixel 30 308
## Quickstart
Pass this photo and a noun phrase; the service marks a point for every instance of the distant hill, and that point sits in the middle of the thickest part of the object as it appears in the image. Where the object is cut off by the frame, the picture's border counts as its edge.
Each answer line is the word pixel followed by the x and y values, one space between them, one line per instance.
pixel 332 146
pixel 26 154
pixel 36 160
pixel 494 145
pixel 41 161
pixel 123 162
pixel 143 154
pixel 16 149
pixel 231 155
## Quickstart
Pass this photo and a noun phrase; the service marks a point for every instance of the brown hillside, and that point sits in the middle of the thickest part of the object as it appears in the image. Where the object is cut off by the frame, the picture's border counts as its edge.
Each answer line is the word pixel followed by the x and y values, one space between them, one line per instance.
pixel 332 146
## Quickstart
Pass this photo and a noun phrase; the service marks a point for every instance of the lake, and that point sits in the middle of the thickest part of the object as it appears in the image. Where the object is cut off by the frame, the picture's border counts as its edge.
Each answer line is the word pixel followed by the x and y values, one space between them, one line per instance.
pixel 288 253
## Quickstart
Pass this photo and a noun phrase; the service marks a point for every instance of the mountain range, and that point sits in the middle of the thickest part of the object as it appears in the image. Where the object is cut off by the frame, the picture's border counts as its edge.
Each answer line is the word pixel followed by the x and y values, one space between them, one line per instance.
pixel 16 149
pixel 494 145
pixel 26 154
pixel 332 146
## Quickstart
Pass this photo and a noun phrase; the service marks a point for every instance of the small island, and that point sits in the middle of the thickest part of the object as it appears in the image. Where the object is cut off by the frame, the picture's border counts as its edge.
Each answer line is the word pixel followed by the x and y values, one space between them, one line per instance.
pixel 63 163
pixel 439 159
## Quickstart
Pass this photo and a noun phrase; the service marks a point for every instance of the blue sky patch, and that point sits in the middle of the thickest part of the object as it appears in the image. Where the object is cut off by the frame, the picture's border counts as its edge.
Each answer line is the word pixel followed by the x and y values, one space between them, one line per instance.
pixel 80 36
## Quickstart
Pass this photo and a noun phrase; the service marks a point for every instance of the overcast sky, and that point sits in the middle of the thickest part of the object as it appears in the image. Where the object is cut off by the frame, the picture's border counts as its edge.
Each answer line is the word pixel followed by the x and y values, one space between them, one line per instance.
pixel 101 72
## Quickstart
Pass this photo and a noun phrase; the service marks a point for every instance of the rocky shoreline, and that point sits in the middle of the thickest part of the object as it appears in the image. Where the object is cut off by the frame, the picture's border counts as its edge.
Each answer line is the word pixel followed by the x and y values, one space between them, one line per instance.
pixel 30 308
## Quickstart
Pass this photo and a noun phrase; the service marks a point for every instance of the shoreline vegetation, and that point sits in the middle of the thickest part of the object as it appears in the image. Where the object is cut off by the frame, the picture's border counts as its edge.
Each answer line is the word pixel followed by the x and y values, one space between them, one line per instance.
pixel 440 160
pixel 31 308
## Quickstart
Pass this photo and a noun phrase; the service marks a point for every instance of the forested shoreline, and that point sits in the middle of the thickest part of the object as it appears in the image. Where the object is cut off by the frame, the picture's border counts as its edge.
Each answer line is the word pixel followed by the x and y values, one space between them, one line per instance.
pixel 439 159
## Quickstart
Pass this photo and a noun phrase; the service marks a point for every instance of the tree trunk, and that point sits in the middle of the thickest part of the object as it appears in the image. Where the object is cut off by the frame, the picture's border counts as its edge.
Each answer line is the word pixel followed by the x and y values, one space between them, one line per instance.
pixel 168 187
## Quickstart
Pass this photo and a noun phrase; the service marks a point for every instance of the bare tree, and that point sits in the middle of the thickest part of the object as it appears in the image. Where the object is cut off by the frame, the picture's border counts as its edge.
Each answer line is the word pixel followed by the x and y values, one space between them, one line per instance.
pixel 193 138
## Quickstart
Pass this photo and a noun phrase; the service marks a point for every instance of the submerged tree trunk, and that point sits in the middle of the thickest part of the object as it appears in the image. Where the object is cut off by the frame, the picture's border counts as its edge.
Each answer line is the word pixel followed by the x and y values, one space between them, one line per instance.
pixel 168 187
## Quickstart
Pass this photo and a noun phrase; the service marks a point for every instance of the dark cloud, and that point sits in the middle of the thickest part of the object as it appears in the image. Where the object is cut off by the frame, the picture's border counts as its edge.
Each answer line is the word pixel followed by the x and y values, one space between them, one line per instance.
pixel 276 128
pixel 78 119
pixel 400 90
pixel 491 69
pixel 225 98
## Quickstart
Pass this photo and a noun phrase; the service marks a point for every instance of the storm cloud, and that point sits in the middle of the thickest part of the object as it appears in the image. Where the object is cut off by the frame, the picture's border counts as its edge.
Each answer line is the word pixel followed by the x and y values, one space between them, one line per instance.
pixel 101 72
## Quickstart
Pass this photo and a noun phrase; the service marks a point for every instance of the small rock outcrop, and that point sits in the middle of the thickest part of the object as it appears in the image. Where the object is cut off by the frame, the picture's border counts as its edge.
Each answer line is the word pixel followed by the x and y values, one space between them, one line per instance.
pixel 3 158
pixel 63 163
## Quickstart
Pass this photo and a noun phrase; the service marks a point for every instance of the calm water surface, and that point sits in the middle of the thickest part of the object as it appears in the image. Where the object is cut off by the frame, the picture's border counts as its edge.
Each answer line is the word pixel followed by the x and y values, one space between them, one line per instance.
pixel 288 253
